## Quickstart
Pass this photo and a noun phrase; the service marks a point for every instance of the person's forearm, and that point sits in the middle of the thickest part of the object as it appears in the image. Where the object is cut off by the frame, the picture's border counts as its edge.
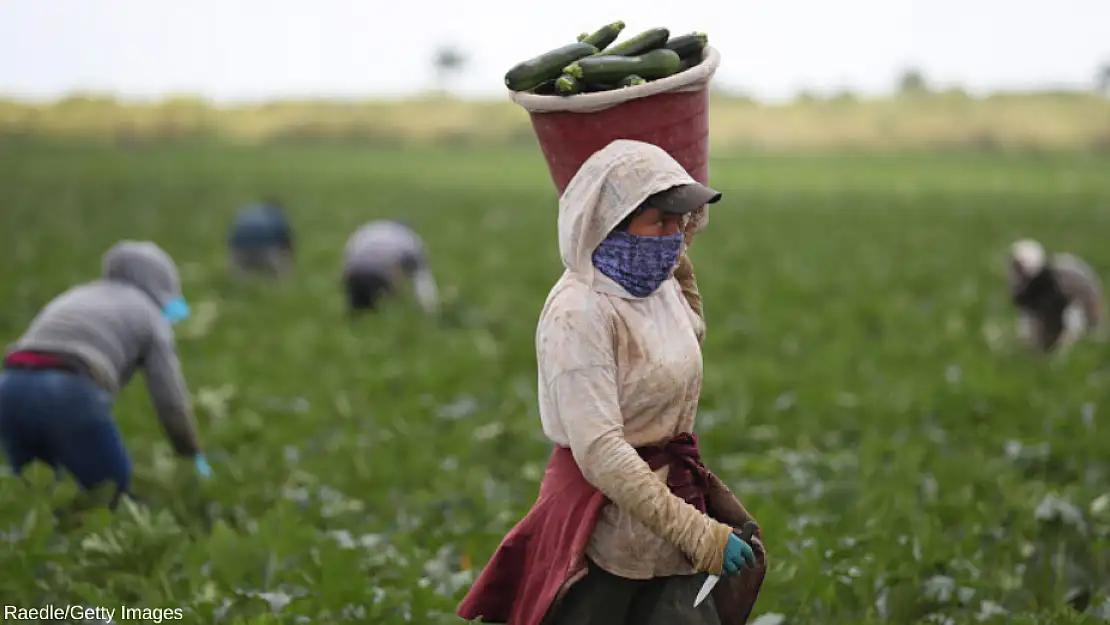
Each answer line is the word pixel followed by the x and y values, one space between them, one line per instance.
pixel 612 466
pixel 170 396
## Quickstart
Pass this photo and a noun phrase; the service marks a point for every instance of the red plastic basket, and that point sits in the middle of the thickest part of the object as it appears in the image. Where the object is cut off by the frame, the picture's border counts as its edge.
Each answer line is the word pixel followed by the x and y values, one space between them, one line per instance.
pixel 673 116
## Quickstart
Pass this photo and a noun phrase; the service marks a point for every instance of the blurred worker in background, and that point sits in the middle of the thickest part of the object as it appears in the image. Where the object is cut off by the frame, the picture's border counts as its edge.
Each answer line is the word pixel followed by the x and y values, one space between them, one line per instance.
pixel 59 379
pixel 381 256
pixel 261 240
pixel 1059 299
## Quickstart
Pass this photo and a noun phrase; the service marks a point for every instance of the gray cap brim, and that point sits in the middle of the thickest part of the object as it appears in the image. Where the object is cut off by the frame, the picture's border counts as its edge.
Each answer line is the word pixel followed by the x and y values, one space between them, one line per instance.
pixel 684 199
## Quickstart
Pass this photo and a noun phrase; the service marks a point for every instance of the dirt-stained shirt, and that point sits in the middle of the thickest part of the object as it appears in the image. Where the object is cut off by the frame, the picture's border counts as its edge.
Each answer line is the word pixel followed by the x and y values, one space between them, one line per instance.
pixel 618 372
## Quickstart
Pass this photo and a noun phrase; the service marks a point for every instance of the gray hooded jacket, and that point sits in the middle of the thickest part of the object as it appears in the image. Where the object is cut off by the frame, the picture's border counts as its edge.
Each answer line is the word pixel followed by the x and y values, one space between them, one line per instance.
pixel 115 326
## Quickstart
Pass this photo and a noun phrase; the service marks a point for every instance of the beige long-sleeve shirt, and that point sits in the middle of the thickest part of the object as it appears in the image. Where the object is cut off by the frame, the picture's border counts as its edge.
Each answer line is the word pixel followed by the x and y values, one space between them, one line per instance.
pixel 617 372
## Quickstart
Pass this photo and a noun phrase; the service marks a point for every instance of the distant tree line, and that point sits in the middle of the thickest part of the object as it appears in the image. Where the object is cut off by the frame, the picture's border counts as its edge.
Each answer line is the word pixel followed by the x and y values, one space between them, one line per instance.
pixel 912 81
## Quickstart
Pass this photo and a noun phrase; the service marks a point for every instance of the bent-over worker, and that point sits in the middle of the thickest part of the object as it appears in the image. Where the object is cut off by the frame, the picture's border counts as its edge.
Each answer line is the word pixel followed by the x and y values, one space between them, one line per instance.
pixel 1059 300
pixel 261 240
pixel 59 379
pixel 379 258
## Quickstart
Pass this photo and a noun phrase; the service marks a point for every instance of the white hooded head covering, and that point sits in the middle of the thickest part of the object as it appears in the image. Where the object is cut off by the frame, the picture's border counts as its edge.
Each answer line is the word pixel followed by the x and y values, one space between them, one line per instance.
pixel 608 186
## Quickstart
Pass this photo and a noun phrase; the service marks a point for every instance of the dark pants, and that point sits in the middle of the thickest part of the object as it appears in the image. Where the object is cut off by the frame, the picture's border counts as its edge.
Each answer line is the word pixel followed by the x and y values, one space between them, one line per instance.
pixel 602 598
pixel 365 290
pixel 65 420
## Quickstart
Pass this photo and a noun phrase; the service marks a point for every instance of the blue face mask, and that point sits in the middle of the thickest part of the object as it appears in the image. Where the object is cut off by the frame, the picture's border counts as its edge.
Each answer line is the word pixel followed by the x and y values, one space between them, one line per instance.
pixel 177 310
pixel 639 264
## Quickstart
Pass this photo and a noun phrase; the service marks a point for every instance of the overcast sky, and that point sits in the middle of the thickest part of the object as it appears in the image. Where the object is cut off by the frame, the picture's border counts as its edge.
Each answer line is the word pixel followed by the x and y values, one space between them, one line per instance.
pixel 234 50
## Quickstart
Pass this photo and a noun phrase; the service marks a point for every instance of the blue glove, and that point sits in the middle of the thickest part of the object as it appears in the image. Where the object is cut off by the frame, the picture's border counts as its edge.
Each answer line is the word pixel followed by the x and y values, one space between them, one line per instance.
pixel 738 554
pixel 203 469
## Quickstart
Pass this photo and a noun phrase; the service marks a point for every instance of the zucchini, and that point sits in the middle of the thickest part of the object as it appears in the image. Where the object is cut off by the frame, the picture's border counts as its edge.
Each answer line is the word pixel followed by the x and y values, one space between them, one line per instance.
pixel 606 35
pixel 545 88
pixel 582 36
pixel 627 81
pixel 644 42
pixel 610 69
pixel 688 46
pixel 567 85
pixel 538 70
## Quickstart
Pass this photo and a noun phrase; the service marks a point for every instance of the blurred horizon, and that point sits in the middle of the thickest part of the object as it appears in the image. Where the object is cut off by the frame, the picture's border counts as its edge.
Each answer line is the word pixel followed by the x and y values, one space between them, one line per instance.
pixel 803 96
pixel 253 51
pixel 797 74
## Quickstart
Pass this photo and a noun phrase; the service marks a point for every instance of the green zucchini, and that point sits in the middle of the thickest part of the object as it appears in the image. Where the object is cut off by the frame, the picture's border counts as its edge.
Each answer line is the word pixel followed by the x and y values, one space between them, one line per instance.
pixel 567 85
pixel 606 35
pixel 610 69
pixel 631 81
pixel 688 46
pixel 538 70
pixel 644 42
pixel 582 36
pixel 545 88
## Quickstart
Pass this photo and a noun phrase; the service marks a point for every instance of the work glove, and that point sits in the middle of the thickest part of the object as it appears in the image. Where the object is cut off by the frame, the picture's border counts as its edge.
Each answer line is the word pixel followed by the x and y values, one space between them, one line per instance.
pixel 201 463
pixel 738 554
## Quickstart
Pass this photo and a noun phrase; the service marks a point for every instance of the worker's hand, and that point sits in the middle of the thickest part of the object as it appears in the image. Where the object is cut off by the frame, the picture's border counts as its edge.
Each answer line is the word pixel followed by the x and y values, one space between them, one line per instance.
pixel 201 463
pixel 738 554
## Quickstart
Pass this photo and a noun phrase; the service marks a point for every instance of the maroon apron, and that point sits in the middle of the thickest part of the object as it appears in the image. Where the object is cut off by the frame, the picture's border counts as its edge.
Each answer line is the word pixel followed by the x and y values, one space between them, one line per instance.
pixel 545 553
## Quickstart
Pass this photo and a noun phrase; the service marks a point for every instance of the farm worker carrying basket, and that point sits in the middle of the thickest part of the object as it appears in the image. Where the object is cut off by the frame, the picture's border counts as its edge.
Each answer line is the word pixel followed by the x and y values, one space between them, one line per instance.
pixel 628 522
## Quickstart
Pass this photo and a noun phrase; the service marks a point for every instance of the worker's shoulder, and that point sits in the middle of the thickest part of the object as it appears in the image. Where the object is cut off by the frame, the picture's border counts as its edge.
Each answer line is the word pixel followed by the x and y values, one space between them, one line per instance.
pixel 105 295
pixel 574 301
pixel 1070 261
pixel 384 233
pixel 386 227
pixel 1072 267
pixel 97 309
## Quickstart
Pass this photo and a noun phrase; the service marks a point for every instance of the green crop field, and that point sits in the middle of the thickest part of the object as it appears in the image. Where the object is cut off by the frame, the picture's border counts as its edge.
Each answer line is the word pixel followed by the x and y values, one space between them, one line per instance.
pixel 863 391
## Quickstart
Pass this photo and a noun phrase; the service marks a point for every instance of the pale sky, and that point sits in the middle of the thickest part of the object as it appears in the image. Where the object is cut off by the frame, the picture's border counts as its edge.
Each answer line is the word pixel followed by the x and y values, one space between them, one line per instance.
pixel 236 50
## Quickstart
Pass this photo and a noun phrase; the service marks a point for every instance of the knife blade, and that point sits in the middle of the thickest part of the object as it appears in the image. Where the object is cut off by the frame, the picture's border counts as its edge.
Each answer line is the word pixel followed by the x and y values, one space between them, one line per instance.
pixel 706 588
pixel 746 535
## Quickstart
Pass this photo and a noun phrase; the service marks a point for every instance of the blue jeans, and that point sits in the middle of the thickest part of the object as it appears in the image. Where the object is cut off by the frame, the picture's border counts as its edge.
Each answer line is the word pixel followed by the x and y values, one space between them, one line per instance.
pixel 65 420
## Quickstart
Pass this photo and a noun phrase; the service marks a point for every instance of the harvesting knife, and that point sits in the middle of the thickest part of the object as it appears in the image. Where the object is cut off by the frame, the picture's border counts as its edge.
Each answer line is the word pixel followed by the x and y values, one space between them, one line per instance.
pixel 746 535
